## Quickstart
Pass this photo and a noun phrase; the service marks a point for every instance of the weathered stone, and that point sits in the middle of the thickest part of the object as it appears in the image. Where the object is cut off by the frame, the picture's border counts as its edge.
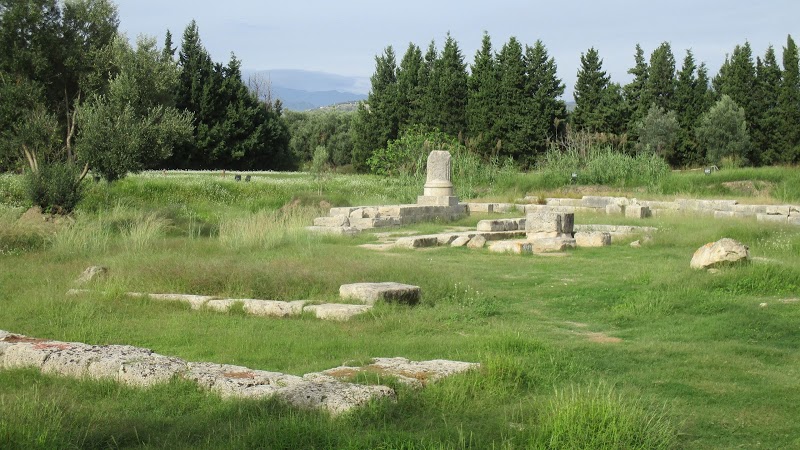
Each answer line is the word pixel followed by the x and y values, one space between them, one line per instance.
pixel 336 311
pixel 477 241
pixel 414 373
pixel 343 211
pixel 92 273
pixel 504 207
pixel 547 245
pixel 237 381
pixel 592 239
pixel 549 225
pixel 750 210
pixel 794 219
pixel 783 210
pixel 636 244
pixel 460 241
pixel 369 293
pixel 518 247
pixel 772 218
pixel 337 231
pixel 322 392
pixel 417 242
pixel 730 215
pixel 332 221
pixel 615 209
pixel 437 180
pixel 724 251
pixel 445 239
pixel 501 225
pixel 480 207
pixel 270 308
pixel 637 212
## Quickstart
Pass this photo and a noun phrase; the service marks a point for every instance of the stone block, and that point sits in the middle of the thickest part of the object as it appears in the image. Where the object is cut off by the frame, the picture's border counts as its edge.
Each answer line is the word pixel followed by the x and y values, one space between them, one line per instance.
pixel 341 211
pixel 518 247
pixel 477 241
pixel 794 219
pixel 194 301
pixel 92 273
pixel 549 222
pixel 337 311
pixel 731 215
pixel 336 231
pixel 772 218
pixel 592 239
pixel 783 210
pixel 549 245
pixel 236 381
pixel 430 200
pixel 615 210
pixel 445 239
pixel 637 212
pixel 480 207
pixel 504 207
pixel 369 293
pixel 460 241
pixel 332 221
pixel 417 242
pixel 336 397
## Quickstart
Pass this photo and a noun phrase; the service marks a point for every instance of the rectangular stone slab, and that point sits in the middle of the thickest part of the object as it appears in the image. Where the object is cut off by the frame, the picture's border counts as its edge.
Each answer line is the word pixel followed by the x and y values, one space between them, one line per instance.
pixel 369 293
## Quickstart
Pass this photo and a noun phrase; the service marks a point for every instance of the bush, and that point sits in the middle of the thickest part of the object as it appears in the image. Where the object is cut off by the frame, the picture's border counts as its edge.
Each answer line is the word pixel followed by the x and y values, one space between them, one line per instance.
pixel 55 187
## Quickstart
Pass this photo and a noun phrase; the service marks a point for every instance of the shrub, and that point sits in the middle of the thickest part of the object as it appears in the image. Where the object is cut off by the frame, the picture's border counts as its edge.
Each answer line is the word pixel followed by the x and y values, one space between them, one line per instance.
pixel 55 187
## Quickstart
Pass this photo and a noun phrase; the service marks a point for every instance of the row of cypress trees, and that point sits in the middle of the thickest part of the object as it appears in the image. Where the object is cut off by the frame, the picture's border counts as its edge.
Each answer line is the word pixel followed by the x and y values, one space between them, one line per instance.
pixel 510 102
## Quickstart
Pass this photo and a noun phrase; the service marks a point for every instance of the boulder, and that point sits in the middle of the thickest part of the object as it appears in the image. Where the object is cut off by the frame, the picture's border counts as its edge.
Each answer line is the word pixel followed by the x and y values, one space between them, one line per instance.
pixel 724 251
pixel 477 242
pixel 369 293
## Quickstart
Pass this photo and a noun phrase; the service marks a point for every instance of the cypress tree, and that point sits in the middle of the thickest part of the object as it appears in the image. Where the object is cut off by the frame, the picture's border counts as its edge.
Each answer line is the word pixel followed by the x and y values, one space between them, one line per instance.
pixel 590 95
pixel 691 101
pixel 168 53
pixel 737 79
pixel 767 123
pixel 546 112
pixel 409 94
pixel 635 92
pixel 377 121
pixel 482 100
pixel 428 113
pixel 450 87
pixel 660 86
pixel 789 103
pixel 512 102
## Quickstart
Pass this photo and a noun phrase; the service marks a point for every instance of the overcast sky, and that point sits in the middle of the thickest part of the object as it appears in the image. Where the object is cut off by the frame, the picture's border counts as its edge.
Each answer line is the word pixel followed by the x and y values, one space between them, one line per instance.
pixel 343 37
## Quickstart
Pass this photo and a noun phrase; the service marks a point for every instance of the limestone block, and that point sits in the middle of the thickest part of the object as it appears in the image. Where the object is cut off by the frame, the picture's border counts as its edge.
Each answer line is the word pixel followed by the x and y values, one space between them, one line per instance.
pixel 369 222
pixel 772 218
pixel 549 224
pixel 389 211
pixel 504 207
pixel 615 209
pixel 518 247
pixel 731 215
pixel 637 211
pixel 238 382
pixel 417 242
pixel 273 308
pixel 413 373
pixel 341 211
pixel 445 239
pixel 357 213
pixel 332 221
pixel 724 251
pixel 223 305
pixel 477 241
pixel 590 201
pixel 369 293
pixel 70 359
pixel 654 204
pixel 133 365
pixel 480 207
pixel 441 200
pixel 592 239
pixel 92 273
pixel 783 210
pixel 337 311
pixel 460 241
pixel 500 225
pixel 327 393
pixel 548 245
pixel 794 219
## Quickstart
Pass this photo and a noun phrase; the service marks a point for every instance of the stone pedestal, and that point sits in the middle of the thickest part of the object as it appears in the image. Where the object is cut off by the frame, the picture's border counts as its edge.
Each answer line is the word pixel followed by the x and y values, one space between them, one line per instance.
pixel 438 190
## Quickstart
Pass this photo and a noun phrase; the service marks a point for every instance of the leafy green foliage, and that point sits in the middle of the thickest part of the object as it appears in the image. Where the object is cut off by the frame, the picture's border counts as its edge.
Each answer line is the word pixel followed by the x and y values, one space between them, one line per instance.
pixel 55 187
pixel 723 132
pixel 658 132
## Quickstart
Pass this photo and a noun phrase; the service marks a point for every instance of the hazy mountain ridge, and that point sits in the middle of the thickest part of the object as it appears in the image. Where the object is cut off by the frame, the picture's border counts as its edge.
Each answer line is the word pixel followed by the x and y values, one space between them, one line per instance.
pixel 302 90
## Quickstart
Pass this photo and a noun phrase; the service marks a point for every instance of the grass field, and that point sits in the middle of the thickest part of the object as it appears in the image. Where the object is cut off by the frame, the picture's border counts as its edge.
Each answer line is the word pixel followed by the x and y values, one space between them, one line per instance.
pixel 615 347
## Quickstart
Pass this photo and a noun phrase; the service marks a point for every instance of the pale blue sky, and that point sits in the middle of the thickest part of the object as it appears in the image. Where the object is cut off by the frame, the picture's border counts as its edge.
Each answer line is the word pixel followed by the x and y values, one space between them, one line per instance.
pixel 343 37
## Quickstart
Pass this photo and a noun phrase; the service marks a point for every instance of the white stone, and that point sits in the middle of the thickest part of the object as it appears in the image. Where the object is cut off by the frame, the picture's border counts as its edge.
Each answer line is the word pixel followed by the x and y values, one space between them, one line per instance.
pixel 445 239
pixel 460 241
pixel 480 207
pixel 477 241
pixel 772 218
pixel 273 308
pixel 335 231
pixel 518 247
pixel 92 273
pixel 336 311
pixel 332 221
pixel 326 393
pixel 724 251
pixel 636 244
pixel 413 373
pixel 369 293
pixel 417 242
pixel 637 211
pixel 547 245
pixel 237 381
pixel 783 210
pixel 592 239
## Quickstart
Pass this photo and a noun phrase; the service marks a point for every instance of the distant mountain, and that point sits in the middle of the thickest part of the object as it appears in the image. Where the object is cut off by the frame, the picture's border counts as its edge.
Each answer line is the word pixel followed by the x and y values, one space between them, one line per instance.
pixel 302 90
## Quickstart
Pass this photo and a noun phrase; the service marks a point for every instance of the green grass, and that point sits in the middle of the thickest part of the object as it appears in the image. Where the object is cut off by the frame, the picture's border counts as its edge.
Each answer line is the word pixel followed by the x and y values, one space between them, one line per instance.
pixel 614 347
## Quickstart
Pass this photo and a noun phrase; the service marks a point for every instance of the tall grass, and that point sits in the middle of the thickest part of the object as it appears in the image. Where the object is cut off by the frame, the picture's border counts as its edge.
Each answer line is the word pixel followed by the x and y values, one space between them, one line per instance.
pixel 265 230
pixel 602 166
pixel 596 417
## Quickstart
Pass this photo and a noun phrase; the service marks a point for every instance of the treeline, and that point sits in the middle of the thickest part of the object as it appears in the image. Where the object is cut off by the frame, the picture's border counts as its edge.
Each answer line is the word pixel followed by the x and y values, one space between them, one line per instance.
pixel 509 104
pixel 75 93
